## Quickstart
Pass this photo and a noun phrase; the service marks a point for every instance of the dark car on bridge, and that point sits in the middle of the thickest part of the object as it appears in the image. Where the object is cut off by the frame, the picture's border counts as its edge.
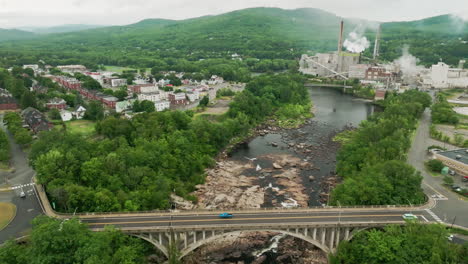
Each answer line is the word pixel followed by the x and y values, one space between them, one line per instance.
pixel 225 215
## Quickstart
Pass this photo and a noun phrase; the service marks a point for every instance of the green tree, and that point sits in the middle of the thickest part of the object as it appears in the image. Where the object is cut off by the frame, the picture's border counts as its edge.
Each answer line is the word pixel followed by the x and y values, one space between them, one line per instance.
pixel 94 111
pixel 54 114
pixel 204 101
pixel 23 137
pixel 435 165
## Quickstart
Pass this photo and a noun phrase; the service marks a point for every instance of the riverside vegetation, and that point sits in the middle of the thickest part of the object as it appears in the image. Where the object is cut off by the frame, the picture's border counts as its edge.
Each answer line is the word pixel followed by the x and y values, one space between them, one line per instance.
pixel 135 164
pixel 372 158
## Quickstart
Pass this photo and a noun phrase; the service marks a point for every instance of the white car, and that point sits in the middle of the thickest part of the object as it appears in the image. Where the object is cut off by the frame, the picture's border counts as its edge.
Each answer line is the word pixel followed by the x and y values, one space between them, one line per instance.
pixel 22 194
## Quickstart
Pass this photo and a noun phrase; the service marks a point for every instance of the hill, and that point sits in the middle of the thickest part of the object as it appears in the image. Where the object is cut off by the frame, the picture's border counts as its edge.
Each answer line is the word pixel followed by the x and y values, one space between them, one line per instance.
pixel 15 34
pixel 60 29
pixel 263 33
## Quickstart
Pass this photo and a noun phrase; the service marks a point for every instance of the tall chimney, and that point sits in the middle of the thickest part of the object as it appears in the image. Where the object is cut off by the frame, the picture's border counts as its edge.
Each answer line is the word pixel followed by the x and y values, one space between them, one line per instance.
pixel 340 38
pixel 340 46
pixel 377 44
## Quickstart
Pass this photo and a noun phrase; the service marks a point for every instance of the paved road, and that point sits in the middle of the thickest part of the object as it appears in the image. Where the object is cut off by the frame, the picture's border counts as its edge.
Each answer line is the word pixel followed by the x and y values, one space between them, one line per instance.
pixel 450 208
pixel 27 208
pixel 257 218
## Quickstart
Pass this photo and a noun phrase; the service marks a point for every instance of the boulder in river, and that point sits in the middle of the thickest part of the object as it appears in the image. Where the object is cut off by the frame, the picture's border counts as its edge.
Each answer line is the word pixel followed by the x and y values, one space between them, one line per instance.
pixel 311 178
pixel 277 166
pixel 274 144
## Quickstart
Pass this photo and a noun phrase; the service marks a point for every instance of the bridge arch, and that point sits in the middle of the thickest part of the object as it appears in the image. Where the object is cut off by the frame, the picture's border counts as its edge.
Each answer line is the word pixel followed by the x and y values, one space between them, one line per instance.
pixel 184 252
pixel 149 239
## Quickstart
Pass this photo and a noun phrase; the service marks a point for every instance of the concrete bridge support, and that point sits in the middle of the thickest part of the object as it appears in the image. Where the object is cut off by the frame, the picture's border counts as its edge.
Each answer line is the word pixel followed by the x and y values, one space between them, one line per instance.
pixel 324 236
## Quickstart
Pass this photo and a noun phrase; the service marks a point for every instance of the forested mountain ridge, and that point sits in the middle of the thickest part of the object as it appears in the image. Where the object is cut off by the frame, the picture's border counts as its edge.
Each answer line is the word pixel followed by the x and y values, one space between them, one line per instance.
pixel 263 33
pixel 15 34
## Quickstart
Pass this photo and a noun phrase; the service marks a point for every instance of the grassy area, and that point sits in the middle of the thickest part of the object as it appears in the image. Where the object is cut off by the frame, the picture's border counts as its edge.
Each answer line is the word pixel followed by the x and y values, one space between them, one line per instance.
pixel 7 213
pixel 84 127
pixel 119 69
pixel 458 231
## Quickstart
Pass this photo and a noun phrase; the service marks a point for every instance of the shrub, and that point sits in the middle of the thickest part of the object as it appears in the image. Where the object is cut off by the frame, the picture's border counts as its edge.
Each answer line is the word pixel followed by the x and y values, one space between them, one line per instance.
pixel 435 165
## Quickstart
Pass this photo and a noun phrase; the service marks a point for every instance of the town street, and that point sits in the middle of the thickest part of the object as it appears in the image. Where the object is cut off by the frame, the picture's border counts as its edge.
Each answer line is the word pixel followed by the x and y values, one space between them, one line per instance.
pixel 450 207
pixel 26 208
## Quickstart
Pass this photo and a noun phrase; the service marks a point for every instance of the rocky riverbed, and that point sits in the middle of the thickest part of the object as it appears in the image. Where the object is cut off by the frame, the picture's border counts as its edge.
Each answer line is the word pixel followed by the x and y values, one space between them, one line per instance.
pixel 278 168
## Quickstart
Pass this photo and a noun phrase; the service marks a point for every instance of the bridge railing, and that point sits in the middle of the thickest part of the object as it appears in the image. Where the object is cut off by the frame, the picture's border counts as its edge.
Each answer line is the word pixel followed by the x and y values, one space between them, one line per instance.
pixel 48 210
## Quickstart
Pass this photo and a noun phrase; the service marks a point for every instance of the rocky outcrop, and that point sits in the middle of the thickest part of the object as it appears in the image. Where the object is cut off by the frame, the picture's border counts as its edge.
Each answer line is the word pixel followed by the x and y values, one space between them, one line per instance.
pixel 227 187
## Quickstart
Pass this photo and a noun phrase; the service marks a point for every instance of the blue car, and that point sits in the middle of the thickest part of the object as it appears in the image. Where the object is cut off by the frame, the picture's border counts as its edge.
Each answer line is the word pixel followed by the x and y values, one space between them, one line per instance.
pixel 225 215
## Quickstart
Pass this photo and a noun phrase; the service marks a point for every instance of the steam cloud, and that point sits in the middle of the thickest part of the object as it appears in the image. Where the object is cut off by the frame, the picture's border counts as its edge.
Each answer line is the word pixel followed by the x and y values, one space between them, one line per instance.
pixel 356 42
pixel 408 63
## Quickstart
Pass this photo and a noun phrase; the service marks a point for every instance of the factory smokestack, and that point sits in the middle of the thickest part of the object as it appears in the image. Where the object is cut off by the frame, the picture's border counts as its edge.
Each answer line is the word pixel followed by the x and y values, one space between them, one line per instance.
pixel 377 44
pixel 340 46
pixel 340 38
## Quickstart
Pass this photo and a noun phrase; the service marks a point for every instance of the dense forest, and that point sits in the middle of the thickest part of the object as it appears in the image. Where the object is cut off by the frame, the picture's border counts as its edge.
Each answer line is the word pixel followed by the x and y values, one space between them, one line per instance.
pixel 257 34
pixel 135 164
pixel 372 160
pixel 413 243
pixel 55 241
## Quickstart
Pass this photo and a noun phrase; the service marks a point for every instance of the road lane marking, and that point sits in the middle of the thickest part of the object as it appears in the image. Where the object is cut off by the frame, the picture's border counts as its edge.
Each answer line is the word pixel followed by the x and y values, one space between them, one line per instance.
pixel 433 215
pixel 241 219
pixel 234 212
pixel 425 219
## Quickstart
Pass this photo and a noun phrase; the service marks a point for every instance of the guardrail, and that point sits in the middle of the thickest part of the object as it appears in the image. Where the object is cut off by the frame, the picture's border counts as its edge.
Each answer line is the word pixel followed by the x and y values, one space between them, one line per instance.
pixel 250 226
pixel 48 210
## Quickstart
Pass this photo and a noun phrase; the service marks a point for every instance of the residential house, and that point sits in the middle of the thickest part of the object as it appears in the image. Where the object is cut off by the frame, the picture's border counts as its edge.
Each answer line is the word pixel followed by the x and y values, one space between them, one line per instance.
pixel 72 68
pixel 215 80
pixel 162 105
pixel 137 87
pixel 118 82
pixel 177 98
pixel 7 101
pixel 56 103
pixel 36 120
pixel 66 115
pixel 380 95
pixel 193 96
pixel 79 112
pixel 153 97
pixel 124 105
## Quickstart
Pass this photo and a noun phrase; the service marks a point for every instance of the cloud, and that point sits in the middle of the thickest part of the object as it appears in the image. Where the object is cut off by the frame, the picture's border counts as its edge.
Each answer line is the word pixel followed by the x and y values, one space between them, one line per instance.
pixel 53 12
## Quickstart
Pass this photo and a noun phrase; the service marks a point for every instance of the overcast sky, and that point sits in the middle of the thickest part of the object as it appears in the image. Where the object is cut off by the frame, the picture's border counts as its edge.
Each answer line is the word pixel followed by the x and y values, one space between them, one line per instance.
pixel 21 13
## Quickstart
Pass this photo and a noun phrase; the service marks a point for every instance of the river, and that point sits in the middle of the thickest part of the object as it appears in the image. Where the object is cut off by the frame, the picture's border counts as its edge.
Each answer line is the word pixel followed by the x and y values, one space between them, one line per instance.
pixel 334 112
pixel 291 185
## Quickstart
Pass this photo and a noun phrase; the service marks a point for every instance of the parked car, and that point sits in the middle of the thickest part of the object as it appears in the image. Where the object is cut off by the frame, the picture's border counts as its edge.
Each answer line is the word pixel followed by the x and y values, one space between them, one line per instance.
pixel 225 215
pixel 409 217
pixel 452 172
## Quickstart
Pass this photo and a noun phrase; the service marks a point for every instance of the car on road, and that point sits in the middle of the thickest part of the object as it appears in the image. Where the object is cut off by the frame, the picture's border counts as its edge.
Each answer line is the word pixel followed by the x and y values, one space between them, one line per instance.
pixel 450 237
pixel 225 215
pixel 409 217
pixel 22 194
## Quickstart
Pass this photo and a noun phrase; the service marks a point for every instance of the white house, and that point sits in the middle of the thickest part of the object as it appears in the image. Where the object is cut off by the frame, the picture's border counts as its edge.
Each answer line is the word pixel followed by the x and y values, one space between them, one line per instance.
pixel 149 89
pixel 79 112
pixel 162 105
pixel 66 115
pixel 118 82
pixel 153 97
pixel 163 82
pixel 124 105
pixel 215 79
pixel 193 96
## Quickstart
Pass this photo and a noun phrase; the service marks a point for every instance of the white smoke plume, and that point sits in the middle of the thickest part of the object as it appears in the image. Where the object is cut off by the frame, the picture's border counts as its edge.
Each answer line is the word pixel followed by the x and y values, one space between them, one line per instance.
pixel 459 21
pixel 356 42
pixel 408 63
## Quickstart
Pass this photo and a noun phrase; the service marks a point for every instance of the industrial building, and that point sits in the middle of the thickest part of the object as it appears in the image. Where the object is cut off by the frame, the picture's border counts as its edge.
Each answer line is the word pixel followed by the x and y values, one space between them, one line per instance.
pixel 443 77
pixel 330 64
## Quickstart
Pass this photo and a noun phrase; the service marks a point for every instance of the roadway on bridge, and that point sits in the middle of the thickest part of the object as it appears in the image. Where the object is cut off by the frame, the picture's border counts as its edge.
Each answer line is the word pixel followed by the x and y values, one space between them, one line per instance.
pixel 256 218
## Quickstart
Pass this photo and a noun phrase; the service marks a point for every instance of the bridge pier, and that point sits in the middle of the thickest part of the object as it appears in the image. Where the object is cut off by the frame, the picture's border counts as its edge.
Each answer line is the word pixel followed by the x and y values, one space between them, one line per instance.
pixel 324 236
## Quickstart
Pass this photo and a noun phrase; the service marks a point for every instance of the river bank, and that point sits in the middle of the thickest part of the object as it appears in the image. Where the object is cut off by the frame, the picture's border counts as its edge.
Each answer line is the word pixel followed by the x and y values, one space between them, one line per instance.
pixel 280 168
